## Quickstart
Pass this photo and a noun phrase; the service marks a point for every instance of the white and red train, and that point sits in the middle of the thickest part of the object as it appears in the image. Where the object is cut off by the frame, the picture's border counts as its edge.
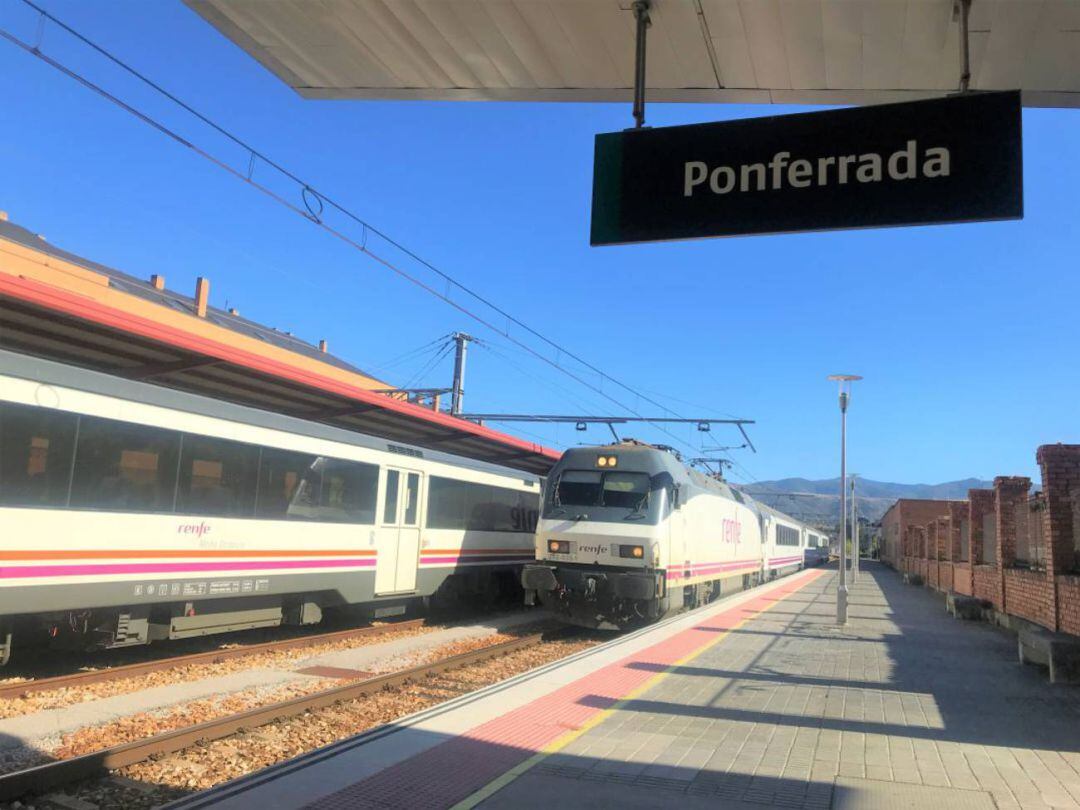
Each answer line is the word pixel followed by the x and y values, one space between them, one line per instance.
pixel 628 534
pixel 131 512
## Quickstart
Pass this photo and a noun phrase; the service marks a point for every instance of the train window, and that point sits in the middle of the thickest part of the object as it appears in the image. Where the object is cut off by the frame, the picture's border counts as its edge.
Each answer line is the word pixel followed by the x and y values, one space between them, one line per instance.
pixel 578 488
pixel 217 477
pixel 787 536
pixel 628 490
pixel 125 467
pixel 508 510
pixel 280 475
pixel 298 486
pixel 412 499
pixel 36 446
pixel 463 505
pixel 448 506
pixel 349 492
pixel 390 499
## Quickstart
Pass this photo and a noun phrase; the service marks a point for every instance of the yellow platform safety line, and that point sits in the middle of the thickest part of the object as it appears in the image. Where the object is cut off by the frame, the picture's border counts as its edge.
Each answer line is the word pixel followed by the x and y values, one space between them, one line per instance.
pixel 559 743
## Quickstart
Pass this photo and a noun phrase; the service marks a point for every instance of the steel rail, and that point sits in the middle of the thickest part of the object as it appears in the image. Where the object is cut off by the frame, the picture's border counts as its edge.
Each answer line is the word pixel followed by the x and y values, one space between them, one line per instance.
pixel 16 690
pixel 51 775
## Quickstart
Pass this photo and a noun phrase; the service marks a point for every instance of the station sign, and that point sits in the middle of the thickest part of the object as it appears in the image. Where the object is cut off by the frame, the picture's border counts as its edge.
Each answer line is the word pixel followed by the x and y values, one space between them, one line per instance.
pixel 955 159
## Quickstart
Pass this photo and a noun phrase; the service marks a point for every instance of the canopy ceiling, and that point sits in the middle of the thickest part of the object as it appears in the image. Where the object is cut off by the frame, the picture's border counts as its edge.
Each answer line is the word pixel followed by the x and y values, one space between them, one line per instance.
pixel 736 51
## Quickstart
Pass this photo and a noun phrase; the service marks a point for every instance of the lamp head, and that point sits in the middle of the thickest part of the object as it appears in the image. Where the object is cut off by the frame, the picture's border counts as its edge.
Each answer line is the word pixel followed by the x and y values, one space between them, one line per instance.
pixel 845 381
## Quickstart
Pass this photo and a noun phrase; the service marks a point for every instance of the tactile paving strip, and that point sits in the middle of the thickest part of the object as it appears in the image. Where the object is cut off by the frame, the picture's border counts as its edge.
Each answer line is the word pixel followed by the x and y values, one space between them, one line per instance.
pixel 457 768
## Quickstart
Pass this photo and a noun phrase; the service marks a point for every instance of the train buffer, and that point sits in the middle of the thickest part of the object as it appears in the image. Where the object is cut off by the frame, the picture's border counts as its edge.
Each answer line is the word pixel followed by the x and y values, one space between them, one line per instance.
pixel 757 700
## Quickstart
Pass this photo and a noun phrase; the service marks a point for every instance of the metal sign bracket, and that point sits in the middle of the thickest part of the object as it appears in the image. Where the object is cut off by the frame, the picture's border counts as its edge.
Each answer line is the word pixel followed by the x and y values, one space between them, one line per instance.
pixel 641 17
pixel 962 12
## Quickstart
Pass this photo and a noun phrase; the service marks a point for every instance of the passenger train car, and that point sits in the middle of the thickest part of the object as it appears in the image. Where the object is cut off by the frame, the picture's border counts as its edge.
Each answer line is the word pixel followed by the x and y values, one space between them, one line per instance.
pixel 817 548
pixel 131 512
pixel 628 534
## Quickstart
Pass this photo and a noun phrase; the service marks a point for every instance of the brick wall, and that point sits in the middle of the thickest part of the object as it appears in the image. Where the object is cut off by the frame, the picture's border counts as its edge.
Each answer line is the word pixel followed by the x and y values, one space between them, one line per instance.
pixel 1010 495
pixel 961 568
pixel 986 584
pixel 1068 604
pixel 1060 466
pixel 1030 595
pixel 930 551
pixel 904 512
pixel 926 539
pixel 962 579
pixel 945 576
pixel 1027 594
pixel 958 512
pixel 980 504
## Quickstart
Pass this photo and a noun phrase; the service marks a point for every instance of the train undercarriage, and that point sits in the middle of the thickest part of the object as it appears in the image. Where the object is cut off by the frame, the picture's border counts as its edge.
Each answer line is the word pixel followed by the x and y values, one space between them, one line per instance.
pixel 607 598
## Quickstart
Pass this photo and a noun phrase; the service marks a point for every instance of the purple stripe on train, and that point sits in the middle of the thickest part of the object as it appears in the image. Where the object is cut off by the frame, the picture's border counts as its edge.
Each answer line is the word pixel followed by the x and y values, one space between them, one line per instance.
pixel 28 571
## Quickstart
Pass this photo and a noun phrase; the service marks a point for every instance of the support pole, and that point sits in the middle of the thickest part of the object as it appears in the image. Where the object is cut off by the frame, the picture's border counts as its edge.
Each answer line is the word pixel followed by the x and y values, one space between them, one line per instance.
pixel 641 16
pixel 841 588
pixel 458 393
pixel 854 535
pixel 964 7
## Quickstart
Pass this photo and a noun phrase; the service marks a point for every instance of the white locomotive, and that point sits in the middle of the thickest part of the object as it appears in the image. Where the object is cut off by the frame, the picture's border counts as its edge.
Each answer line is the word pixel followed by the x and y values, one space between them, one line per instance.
pixel 131 512
pixel 628 534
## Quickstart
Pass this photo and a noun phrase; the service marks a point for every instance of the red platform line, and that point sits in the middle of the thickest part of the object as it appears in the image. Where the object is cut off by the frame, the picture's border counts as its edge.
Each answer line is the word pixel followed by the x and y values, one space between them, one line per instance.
pixel 456 769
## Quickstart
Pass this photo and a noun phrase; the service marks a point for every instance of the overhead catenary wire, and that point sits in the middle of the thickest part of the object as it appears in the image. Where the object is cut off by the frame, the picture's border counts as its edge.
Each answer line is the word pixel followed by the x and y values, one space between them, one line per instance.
pixel 430 365
pixel 412 354
pixel 584 405
pixel 314 204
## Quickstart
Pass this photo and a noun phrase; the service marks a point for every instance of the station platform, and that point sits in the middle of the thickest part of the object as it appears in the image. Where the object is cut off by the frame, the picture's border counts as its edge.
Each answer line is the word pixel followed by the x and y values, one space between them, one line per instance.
pixel 758 700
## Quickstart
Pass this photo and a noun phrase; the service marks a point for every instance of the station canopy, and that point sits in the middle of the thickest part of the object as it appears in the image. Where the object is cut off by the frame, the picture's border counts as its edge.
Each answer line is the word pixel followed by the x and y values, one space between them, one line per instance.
pixel 732 51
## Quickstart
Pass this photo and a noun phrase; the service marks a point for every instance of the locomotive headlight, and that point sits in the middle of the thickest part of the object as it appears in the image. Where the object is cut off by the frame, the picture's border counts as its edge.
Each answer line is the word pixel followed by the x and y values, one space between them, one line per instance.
pixel 559 546
pixel 602 461
pixel 607 461
pixel 633 552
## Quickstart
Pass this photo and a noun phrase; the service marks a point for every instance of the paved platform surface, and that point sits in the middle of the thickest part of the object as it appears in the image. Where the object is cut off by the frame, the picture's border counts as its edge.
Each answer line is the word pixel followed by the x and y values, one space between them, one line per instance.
pixel 757 701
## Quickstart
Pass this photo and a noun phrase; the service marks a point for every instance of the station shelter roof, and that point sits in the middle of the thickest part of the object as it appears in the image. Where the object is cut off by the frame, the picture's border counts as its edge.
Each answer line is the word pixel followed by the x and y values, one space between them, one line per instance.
pixel 733 51
pixel 63 307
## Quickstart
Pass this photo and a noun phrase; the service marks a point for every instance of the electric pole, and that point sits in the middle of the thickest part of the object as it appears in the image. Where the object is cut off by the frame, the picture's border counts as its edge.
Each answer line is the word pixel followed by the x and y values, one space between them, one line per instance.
pixel 458 394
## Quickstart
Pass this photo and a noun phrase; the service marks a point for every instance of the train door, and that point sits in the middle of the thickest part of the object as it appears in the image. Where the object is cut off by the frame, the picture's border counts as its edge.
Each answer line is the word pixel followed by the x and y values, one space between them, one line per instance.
pixel 766 547
pixel 678 554
pixel 398 540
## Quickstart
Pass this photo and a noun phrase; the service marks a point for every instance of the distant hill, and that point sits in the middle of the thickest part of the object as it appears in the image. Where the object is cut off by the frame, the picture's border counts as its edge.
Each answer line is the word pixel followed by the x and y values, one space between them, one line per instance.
pixel 819 501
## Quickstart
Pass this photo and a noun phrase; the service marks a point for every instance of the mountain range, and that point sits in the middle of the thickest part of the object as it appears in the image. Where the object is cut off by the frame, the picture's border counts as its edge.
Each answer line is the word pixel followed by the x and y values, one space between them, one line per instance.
pixel 818 502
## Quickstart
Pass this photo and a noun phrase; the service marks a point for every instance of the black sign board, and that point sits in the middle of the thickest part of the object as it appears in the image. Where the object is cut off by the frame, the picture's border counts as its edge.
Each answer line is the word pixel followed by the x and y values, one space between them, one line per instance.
pixel 955 159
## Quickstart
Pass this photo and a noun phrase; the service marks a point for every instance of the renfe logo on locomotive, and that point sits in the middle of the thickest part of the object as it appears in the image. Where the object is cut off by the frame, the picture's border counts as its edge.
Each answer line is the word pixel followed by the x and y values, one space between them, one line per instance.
pixel 732 530
pixel 903 164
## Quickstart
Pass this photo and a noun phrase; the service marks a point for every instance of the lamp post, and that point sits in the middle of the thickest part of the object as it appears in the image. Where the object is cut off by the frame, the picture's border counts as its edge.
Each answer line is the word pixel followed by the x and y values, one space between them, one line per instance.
pixel 854 533
pixel 845 381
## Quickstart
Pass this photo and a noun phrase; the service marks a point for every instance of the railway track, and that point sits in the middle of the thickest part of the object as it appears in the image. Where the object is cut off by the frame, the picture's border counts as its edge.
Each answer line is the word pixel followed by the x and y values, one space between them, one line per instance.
pixel 16 690
pixel 52 775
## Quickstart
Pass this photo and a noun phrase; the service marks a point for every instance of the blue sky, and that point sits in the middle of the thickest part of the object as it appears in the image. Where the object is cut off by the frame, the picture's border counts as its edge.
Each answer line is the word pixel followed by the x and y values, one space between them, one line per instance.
pixel 966 334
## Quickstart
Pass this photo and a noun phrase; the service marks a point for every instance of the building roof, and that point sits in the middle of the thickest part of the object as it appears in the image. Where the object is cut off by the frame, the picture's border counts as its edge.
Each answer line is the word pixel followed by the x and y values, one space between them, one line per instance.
pixel 729 51
pixel 142 288
pixel 60 306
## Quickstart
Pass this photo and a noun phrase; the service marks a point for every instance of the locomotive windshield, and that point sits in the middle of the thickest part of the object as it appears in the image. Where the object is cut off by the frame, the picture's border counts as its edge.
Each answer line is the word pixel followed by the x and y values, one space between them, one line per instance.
pixel 629 490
